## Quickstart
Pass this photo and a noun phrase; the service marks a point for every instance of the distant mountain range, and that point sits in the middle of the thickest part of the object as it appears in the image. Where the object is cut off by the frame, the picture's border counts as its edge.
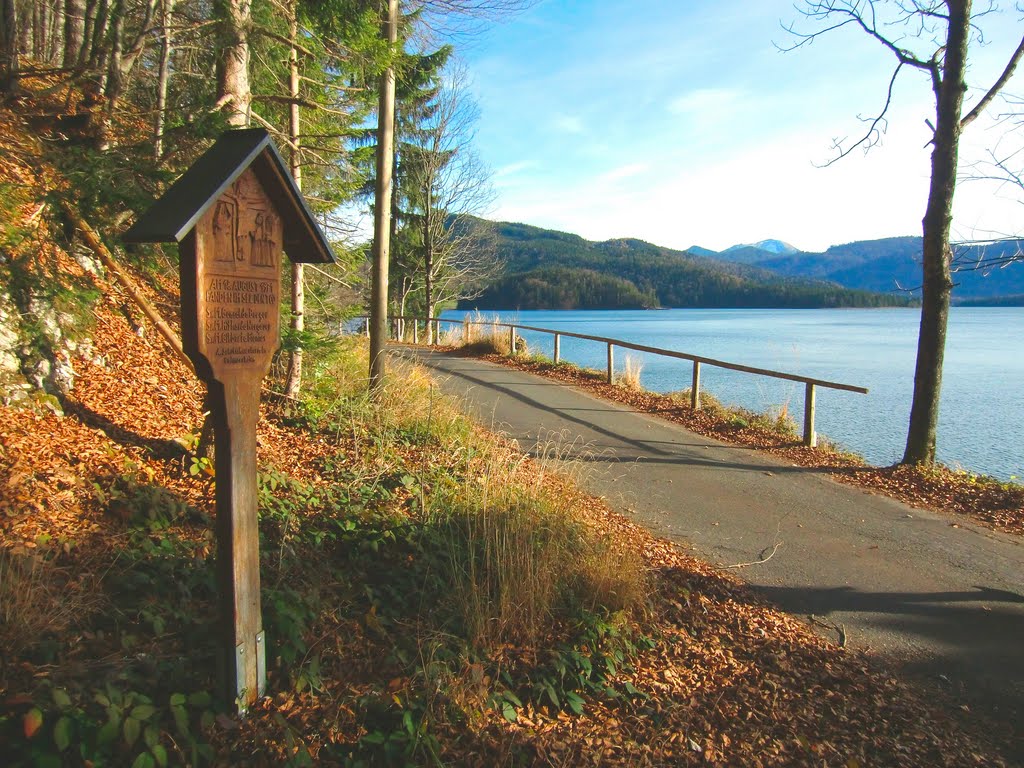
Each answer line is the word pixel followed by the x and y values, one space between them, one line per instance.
pixel 547 269
pixel 888 265
pixel 771 246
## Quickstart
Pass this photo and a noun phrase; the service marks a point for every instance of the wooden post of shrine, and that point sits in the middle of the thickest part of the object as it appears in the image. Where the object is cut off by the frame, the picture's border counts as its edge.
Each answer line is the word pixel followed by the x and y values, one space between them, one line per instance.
pixel 233 214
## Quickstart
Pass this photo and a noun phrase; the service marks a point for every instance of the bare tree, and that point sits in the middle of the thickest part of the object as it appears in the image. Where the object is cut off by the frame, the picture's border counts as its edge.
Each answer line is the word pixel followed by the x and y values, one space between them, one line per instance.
pixel 452 187
pixel 941 31
pixel 445 11
pixel 1004 167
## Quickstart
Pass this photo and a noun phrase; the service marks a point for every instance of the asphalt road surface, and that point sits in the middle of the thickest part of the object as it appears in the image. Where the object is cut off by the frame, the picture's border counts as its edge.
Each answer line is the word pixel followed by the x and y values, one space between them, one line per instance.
pixel 944 604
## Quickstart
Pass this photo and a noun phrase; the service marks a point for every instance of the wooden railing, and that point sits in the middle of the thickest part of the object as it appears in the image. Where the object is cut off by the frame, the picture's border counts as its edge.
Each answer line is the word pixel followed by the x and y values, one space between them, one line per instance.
pixel 432 326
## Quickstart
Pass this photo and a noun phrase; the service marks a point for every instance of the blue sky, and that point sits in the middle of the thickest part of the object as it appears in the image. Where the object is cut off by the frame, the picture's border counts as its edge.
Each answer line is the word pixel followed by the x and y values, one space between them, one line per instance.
pixel 681 123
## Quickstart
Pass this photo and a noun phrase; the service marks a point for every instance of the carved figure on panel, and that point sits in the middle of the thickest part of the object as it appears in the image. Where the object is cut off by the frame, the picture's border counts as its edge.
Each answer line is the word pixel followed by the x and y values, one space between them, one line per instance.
pixel 225 224
pixel 263 247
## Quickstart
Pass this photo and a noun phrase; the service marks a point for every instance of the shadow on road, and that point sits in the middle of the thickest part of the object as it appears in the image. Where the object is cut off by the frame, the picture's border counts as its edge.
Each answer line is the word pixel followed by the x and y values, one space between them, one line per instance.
pixel 643 448
pixel 978 633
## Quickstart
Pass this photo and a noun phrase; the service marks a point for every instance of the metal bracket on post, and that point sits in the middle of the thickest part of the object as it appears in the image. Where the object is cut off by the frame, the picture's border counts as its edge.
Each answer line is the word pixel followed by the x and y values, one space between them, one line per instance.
pixel 261 663
pixel 240 677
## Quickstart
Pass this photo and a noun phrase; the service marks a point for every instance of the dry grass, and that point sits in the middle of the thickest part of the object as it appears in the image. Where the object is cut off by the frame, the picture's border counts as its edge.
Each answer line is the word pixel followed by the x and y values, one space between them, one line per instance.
pixel 521 559
pixel 777 420
pixel 24 611
pixel 482 335
pixel 630 376
pixel 35 601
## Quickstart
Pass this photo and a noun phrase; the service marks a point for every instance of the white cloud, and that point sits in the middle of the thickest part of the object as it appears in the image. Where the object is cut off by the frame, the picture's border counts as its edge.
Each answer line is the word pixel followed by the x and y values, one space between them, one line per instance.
pixel 624 172
pixel 513 169
pixel 767 190
pixel 568 124
pixel 704 101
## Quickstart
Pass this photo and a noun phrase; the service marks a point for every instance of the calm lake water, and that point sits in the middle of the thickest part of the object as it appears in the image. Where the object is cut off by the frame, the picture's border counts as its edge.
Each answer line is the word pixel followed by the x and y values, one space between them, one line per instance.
pixel 983 382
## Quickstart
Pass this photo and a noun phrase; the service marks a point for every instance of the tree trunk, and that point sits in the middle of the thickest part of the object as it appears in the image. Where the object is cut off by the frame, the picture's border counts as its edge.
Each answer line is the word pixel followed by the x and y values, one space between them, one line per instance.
pixel 428 264
pixel 97 51
pixel 37 31
pixel 294 381
pixel 9 43
pixel 937 254
pixel 402 302
pixel 382 207
pixel 89 27
pixel 233 62
pixel 112 91
pixel 74 32
pixel 163 78
pixel 55 31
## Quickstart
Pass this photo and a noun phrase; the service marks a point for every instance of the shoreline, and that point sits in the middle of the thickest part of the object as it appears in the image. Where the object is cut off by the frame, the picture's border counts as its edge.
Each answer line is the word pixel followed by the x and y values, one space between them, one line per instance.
pixel 876 351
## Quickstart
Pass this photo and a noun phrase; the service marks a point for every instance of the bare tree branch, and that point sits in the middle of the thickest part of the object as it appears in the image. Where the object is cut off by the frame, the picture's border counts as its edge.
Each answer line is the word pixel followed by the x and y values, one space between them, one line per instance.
pixel 876 129
pixel 1011 65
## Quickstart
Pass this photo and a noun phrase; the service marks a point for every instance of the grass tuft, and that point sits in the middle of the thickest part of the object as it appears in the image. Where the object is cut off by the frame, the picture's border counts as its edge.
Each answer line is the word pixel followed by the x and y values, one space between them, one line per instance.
pixel 630 376
pixel 521 563
pixel 481 334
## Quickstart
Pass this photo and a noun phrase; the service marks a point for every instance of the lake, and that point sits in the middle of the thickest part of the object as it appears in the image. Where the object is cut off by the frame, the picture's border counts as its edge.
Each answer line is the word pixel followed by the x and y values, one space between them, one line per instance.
pixel 983 381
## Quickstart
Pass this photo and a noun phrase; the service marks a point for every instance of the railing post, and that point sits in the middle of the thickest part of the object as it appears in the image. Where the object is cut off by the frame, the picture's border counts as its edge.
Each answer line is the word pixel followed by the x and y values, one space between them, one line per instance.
pixel 512 341
pixel 558 345
pixel 695 386
pixel 611 364
pixel 415 331
pixel 810 438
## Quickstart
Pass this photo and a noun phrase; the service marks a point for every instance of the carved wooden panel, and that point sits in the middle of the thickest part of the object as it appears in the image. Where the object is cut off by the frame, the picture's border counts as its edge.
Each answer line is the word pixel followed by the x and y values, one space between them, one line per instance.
pixel 238 280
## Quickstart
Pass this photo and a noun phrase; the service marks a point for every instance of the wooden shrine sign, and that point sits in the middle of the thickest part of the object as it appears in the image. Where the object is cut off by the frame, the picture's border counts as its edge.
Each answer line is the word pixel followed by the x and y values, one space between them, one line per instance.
pixel 232 214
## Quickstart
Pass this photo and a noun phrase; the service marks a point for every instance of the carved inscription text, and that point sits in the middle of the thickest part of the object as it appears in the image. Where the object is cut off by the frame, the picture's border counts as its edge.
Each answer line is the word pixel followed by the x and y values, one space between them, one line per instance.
pixel 239 280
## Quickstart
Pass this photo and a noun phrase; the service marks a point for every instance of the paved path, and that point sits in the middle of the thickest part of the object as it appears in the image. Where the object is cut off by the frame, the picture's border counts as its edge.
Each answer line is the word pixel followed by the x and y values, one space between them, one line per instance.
pixel 942 602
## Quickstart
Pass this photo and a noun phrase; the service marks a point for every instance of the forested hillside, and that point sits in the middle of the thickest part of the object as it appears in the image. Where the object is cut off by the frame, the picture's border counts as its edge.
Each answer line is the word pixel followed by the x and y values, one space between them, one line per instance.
pixel 546 269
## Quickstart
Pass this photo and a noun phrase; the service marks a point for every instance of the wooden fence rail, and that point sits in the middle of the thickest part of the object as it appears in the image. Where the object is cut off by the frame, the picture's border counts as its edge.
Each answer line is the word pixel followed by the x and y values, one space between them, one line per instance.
pixel 433 328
